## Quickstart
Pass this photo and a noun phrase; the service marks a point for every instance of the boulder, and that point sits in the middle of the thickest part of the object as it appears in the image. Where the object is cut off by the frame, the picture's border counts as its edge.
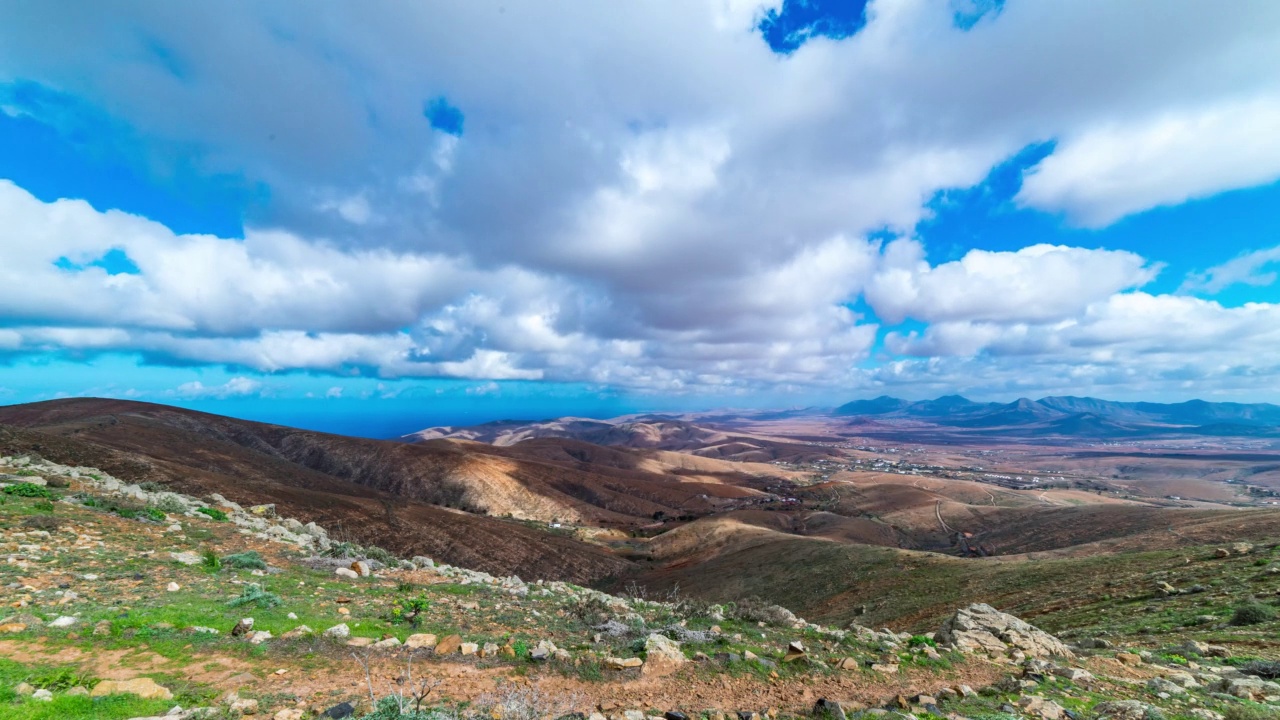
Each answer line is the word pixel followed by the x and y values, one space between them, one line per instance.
pixel 982 628
pixel 420 640
pixel 338 631
pixel 145 688
pixel 449 644
pixel 662 656
pixel 828 709
pixel 346 573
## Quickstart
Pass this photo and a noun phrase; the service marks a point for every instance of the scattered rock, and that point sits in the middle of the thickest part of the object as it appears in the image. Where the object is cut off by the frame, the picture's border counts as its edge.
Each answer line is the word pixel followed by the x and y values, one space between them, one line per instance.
pixel 1160 685
pixel 420 640
pixel 614 663
pixel 387 643
pixel 338 631
pixel 42 695
pixel 449 644
pixel 981 627
pixel 346 573
pixel 886 668
pixel 829 709
pixel 341 710
pixel 173 587
pixel 245 706
pixel 795 651
pixel 145 688
pixel 662 656
pixel 260 637
pixel 468 648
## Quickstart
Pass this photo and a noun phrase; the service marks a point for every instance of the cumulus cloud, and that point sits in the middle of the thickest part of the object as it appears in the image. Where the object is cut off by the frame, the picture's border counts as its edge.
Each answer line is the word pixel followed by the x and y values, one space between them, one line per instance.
pixel 235 387
pixel 1038 283
pixel 666 205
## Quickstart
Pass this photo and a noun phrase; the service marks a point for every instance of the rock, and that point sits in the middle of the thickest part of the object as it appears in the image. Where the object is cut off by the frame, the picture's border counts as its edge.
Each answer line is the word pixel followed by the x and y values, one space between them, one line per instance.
pixel 1041 708
pixel 1126 710
pixel 145 688
pixel 982 628
pixel 614 663
pixel 346 573
pixel 78 691
pixel 42 695
pixel 847 663
pixel 795 651
pixel 1129 658
pixel 1203 714
pixel 886 668
pixel 468 648
pixel 1242 548
pixel 341 710
pixel 1222 553
pixel 1073 674
pixel 300 631
pixel 662 656
pixel 489 650
pixel 289 714
pixel 360 642
pixel 186 558
pixel 242 628
pixel 420 640
pixel 1166 589
pixel 24 689
pixel 361 568
pixel 246 706
pixel 449 644
pixel 338 631
pixel 173 587
pixel 176 527
pixel 1159 685
pixel 387 643
pixel 64 621
pixel 829 709
pixel 12 627
pixel 260 637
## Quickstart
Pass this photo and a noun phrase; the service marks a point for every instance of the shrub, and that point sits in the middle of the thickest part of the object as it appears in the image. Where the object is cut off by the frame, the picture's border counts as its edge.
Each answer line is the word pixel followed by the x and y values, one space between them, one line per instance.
pixel 754 609
pixel 42 506
pixel 209 561
pixel 42 522
pixel 249 560
pixel 1252 613
pixel 1242 711
pixel 919 640
pixel 213 513
pixel 1266 669
pixel 152 487
pixel 154 513
pixel 410 610
pixel 170 504
pixel 253 594
pixel 373 552
pixel 61 680
pixel 28 490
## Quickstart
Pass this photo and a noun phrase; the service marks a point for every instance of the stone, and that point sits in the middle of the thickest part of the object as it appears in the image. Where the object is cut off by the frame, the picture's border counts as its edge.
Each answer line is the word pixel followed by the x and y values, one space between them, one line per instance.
pixel 361 568
pixel 982 628
pixel 449 644
pixel 78 691
pixel 300 631
pixel 360 642
pixel 346 573
pixel 1129 658
pixel 795 651
pixel 1126 710
pixel 1160 685
pixel 186 557
pixel 42 695
pixel 289 714
pixel 173 587
pixel 614 663
pixel 1041 708
pixel 468 648
pixel 260 637
pixel 244 706
pixel 489 650
pixel 145 688
pixel 338 631
pixel 341 710
pixel 1073 674
pixel 387 643
pixel 847 663
pixel 662 656
pixel 102 627
pixel 886 668
pixel 1222 553
pixel 64 621
pixel 24 689
pixel 1242 548
pixel 829 709
pixel 12 627
pixel 420 640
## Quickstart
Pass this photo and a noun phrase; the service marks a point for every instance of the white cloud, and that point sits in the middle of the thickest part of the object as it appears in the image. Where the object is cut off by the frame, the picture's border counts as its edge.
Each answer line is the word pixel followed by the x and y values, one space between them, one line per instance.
pixel 235 387
pixel 1039 283
pixel 1122 167
pixel 1247 269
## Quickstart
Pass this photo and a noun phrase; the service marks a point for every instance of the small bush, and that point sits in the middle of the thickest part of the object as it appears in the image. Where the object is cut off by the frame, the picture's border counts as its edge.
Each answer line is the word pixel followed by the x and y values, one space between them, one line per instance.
pixel 42 506
pixel 410 610
pixel 1266 669
pixel 28 490
pixel 61 680
pixel 213 513
pixel 1252 613
pixel 209 561
pixel 154 513
pixel 42 522
pixel 373 552
pixel 152 487
pixel 253 594
pixel 920 640
pixel 1250 711
pixel 249 560
pixel 754 609
pixel 170 504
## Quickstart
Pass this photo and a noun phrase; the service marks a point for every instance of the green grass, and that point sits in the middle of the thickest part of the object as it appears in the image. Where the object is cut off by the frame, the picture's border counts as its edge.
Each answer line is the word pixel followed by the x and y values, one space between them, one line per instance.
pixel 63 707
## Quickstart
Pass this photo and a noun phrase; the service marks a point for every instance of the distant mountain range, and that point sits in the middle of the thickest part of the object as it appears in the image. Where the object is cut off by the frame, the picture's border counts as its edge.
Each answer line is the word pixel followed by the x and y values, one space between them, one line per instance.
pixel 1078 415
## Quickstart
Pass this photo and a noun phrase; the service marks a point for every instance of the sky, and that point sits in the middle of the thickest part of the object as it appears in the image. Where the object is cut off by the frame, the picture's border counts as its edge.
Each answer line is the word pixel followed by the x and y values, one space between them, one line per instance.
pixel 374 217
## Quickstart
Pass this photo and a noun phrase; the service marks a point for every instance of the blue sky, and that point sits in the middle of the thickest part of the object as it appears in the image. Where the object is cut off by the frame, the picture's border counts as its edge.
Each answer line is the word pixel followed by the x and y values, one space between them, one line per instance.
pixel 375 220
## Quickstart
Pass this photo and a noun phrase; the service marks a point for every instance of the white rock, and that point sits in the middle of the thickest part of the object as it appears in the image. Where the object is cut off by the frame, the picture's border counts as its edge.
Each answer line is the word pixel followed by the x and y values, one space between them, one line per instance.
pixel 43 695
pixel 346 573
pixel 338 631
pixel 63 622
pixel 173 587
